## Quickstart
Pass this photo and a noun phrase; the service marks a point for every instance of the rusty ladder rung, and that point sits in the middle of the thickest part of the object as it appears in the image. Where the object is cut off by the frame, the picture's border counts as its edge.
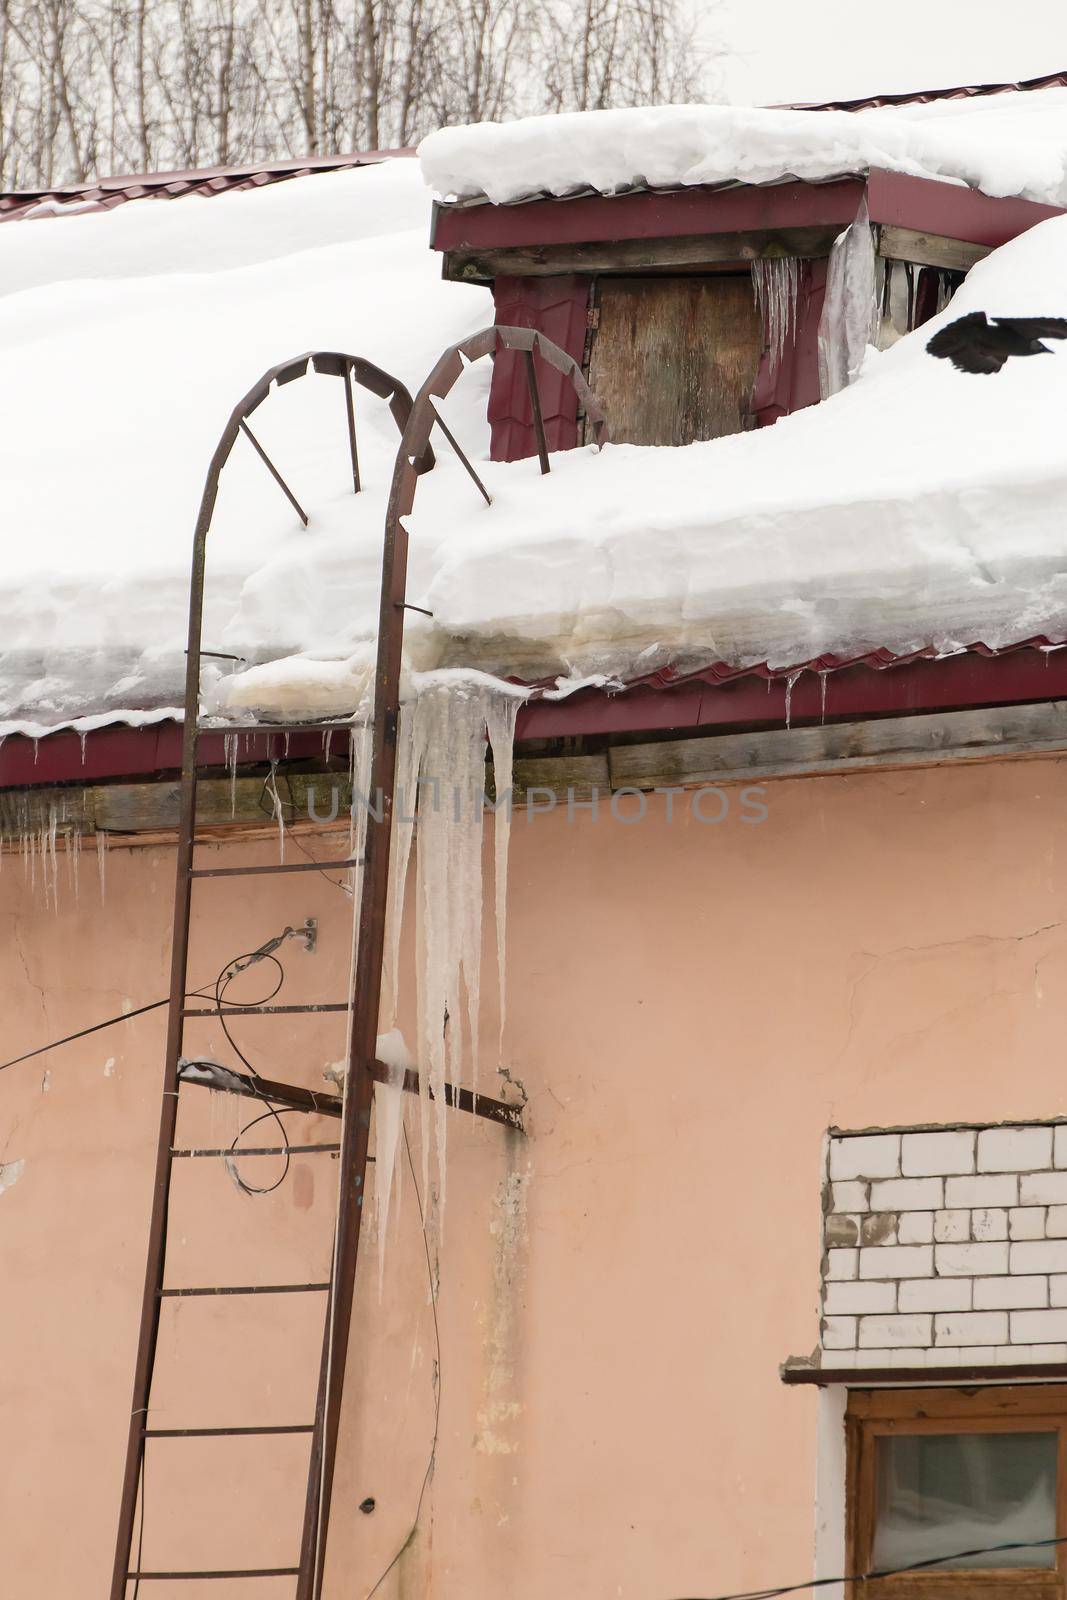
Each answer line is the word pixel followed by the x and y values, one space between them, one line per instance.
pixel 264 1150
pixel 234 1572
pixel 246 1288
pixel 266 1011
pixel 227 1433
pixel 280 866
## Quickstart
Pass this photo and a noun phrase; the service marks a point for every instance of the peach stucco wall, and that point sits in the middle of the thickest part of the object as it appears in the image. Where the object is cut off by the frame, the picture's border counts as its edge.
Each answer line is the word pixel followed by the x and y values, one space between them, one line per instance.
pixel 690 1007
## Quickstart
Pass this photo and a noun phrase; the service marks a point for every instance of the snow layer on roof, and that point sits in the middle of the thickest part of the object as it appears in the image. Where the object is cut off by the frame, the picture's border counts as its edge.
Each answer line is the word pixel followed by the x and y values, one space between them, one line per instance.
pixel 1004 144
pixel 125 339
pixel 919 507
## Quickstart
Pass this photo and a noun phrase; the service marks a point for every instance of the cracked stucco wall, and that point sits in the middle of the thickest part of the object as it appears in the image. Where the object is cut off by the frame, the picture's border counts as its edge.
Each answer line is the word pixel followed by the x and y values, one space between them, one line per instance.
pixel 690 1009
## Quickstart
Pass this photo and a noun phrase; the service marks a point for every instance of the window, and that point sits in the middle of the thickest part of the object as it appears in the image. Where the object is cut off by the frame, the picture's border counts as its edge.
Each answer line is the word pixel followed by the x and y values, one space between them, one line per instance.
pixel 936 1473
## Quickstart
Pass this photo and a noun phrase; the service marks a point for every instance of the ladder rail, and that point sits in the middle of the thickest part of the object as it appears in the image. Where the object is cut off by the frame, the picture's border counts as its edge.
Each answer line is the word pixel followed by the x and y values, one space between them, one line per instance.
pixel 409 466
pixel 399 402
pixel 415 421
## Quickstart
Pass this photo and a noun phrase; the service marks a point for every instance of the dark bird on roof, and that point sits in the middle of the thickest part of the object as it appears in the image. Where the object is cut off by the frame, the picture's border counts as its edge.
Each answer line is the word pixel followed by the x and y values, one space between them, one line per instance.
pixel 974 344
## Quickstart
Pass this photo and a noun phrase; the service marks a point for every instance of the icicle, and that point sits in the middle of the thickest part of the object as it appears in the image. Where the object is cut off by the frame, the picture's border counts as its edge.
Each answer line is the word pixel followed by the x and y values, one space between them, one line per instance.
pixel 776 285
pixel 278 811
pixel 501 719
pixel 229 756
pixel 822 697
pixel 74 850
pixel 388 1126
pixel 101 864
pixel 82 737
pixel 850 315
pixel 790 682
pixel 447 733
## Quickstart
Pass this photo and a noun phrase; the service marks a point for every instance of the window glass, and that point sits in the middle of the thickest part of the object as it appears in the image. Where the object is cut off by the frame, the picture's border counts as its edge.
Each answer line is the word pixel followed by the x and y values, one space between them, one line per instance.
pixel 936 1494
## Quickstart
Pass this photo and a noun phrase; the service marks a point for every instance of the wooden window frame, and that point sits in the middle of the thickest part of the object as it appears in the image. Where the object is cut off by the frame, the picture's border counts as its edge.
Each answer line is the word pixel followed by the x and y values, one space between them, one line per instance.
pixel 1009 1408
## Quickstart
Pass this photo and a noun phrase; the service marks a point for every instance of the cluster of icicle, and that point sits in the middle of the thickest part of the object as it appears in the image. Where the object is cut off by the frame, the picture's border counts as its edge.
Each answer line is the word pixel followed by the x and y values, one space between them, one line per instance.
pixel 441 761
pixel 48 842
pixel 776 284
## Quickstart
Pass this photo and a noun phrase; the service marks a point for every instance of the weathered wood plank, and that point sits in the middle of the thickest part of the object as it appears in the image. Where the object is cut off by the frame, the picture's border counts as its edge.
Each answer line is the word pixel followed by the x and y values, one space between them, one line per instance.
pixel 675 359
pixel 928 249
pixel 692 252
pixel 940 737
pixel 29 810
pixel 147 812
pixel 305 797
pixel 578 774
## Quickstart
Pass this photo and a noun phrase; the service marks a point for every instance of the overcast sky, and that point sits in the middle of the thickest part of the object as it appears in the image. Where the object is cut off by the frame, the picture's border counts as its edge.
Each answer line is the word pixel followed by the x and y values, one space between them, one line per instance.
pixel 831 49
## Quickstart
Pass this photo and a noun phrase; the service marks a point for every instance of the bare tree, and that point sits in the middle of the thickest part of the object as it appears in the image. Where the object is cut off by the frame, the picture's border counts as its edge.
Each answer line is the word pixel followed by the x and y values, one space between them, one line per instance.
pixel 95 86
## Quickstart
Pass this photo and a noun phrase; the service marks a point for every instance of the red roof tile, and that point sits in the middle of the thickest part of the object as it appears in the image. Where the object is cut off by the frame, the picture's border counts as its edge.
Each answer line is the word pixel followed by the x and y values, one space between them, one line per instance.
pixel 105 193
pixel 915 97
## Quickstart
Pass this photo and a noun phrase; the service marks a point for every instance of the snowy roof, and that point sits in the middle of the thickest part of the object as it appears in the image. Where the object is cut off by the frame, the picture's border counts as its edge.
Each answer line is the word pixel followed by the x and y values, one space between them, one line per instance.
pixel 920 507
pixel 1004 144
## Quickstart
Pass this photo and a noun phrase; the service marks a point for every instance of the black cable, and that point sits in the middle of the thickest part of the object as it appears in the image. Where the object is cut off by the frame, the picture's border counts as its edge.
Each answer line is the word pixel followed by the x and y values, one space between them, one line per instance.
pixel 154 1005
pixel 437 1384
pixel 250 1188
pixel 83 1032
pixel 887 1572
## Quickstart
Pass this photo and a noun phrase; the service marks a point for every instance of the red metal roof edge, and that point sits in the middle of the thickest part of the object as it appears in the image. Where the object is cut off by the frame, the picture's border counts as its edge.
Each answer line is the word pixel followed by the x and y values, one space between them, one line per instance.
pixel 827 688
pixel 102 194
pixel 912 97
pixel 926 204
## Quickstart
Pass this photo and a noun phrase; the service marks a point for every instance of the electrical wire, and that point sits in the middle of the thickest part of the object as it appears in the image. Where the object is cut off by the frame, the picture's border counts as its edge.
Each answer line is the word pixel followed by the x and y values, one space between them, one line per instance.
pixel 427 1475
pixel 885 1572
pixel 231 1164
pixel 153 1005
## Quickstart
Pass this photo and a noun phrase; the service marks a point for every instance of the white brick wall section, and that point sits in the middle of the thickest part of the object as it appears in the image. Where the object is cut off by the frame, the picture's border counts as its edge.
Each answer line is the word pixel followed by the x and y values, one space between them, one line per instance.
pixel 968 1260
pixel 850 1299
pixel 894 1332
pixel 983 1191
pixel 928 1155
pixel 907 1194
pixel 1026 1222
pixel 850 1196
pixel 1013 1354
pixel 989 1224
pixel 874 1155
pixel 1038 1327
pixel 970 1327
pixel 982 1355
pixel 952 1227
pixel 916 1227
pixel 946 1248
pixel 838 1333
pixel 1010 1294
pixel 1014 1149
pixel 934 1294
pixel 1043 1189
pixel 1036 1255
pixel 841 1264
pixel 903 1260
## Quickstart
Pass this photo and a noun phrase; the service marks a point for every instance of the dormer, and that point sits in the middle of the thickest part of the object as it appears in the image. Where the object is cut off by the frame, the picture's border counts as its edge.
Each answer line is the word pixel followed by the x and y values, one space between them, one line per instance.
pixel 696 311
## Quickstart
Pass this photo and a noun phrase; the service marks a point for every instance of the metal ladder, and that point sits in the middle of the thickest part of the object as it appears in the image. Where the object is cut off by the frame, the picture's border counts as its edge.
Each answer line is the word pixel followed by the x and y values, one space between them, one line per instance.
pixel 414 457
